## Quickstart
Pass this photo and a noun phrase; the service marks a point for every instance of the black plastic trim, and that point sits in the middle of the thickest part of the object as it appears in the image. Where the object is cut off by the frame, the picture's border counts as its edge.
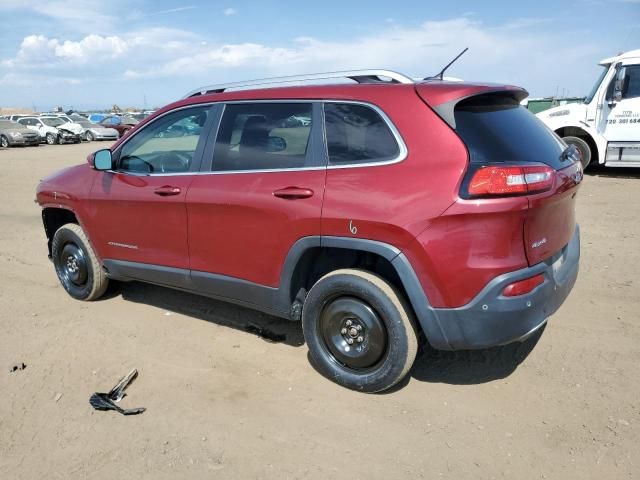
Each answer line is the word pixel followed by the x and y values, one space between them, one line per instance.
pixel 489 319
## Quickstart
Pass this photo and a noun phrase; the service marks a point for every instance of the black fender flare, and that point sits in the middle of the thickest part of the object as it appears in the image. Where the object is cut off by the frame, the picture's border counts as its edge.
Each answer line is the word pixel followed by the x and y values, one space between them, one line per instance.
pixel 416 295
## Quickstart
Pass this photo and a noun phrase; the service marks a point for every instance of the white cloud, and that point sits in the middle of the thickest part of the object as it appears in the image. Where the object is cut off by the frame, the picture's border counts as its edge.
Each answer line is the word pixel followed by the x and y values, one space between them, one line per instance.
pixel 497 53
pixel 80 15
pixel 229 11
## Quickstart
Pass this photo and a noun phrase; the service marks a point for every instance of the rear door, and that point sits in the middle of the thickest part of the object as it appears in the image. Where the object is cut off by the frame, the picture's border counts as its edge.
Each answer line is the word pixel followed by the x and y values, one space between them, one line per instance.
pixel 261 191
pixel 497 130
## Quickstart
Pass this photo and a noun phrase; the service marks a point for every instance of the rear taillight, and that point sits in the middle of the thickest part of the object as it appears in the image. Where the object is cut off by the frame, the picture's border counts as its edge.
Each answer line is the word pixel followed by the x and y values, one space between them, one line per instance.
pixel 523 287
pixel 498 180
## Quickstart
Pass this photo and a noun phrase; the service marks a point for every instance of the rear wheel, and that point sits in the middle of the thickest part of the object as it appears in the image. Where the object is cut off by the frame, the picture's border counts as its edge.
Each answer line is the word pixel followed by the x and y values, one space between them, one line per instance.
pixel 51 139
pixel 583 149
pixel 358 330
pixel 4 142
pixel 76 263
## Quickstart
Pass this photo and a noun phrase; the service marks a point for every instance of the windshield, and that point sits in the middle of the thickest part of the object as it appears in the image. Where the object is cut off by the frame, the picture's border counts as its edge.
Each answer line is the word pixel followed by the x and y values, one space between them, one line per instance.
pixel 52 122
pixel 85 123
pixel 594 89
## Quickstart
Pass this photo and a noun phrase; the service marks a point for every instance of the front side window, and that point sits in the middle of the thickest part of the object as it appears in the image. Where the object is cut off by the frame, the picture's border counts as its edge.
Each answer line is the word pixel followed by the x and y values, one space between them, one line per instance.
pixel 164 146
pixel 263 136
pixel 357 134
pixel 631 88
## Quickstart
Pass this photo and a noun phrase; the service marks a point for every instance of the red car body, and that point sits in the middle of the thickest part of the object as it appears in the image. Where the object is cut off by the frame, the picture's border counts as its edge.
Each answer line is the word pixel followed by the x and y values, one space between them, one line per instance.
pixel 453 256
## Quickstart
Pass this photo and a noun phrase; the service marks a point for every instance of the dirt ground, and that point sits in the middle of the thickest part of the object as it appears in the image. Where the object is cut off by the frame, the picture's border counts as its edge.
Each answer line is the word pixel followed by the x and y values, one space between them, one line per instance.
pixel 222 402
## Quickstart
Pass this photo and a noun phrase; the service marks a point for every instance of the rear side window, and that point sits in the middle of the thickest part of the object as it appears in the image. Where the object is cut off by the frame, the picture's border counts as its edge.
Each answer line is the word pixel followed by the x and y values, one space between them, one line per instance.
pixel 263 136
pixel 496 128
pixel 357 134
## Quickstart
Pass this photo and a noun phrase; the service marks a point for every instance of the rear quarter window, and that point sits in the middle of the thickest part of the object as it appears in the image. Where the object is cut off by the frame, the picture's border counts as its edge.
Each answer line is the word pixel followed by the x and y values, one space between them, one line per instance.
pixel 357 134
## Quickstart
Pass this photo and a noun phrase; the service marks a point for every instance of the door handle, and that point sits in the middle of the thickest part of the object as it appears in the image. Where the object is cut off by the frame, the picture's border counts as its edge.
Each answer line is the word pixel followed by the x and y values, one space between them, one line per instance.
pixel 293 193
pixel 167 191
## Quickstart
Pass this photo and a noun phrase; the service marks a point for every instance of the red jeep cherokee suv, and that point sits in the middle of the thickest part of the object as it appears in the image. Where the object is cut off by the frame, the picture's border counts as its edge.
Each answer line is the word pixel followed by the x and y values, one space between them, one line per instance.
pixel 372 212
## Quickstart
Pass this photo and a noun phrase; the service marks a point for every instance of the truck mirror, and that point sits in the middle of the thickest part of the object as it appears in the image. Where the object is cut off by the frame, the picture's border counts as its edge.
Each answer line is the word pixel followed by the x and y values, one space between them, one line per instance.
pixel 619 84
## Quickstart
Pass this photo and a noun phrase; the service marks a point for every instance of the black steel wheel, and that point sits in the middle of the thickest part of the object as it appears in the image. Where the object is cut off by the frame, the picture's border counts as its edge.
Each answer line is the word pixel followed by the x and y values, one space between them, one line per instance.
pixel 353 333
pixel 359 332
pixel 76 263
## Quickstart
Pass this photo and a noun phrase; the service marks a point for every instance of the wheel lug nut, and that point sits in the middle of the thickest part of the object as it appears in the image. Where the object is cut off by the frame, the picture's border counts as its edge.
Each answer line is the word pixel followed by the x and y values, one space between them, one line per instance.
pixel 350 341
pixel 349 323
pixel 359 327
pixel 360 339
pixel 343 331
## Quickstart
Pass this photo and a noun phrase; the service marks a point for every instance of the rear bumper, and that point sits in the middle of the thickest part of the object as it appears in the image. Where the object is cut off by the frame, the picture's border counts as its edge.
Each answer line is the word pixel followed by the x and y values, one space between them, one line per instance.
pixel 491 319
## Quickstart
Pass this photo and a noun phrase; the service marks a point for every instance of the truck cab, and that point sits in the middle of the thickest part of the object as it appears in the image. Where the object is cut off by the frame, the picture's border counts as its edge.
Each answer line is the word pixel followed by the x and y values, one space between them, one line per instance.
pixel 606 126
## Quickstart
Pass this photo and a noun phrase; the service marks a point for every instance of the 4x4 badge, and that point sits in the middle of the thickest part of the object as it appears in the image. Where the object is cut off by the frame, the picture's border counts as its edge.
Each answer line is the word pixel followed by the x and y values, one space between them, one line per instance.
pixel 352 228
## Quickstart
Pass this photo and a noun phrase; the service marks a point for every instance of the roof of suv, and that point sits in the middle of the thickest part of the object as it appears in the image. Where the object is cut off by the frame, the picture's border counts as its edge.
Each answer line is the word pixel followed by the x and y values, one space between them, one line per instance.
pixel 434 92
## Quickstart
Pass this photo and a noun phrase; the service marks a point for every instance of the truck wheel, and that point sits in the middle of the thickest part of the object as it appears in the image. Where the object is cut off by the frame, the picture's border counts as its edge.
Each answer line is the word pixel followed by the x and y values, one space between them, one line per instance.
pixel 76 263
pixel 51 139
pixel 4 142
pixel 358 331
pixel 583 148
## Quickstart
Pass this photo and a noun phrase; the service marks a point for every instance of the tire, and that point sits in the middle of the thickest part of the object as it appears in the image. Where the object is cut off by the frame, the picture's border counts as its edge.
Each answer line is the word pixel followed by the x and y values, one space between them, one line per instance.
pixel 76 264
pixel 4 142
pixel 583 147
pixel 51 139
pixel 89 137
pixel 382 332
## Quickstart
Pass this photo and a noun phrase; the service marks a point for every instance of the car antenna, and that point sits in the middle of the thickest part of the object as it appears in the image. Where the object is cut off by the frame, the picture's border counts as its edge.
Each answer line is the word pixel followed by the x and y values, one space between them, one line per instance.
pixel 440 75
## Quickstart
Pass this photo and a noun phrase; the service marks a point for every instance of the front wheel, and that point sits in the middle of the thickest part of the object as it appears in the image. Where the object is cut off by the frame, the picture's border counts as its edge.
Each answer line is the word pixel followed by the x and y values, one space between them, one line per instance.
pixel 583 149
pixel 76 263
pixel 51 139
pixel 358 330
pixel 88 136
pixel 4 142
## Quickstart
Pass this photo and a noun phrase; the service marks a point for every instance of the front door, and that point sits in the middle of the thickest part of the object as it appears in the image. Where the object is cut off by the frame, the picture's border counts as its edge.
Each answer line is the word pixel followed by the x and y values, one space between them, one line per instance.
pixel 262 190
pixel 621 120
pixel 138 209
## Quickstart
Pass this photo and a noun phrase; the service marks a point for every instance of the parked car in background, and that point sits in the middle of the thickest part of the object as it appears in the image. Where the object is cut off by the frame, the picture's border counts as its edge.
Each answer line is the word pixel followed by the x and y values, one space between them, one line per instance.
pixel 50 129
pixel 93 131
pixel 13 134
pixel 15 118
pixel 121 124
pixel 96 117
pixel 332 205
pixel 66 123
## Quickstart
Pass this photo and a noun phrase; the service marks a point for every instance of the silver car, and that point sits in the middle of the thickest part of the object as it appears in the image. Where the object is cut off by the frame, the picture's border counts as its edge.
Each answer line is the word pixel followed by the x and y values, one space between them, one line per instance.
pixel 13 134
pixel 95 131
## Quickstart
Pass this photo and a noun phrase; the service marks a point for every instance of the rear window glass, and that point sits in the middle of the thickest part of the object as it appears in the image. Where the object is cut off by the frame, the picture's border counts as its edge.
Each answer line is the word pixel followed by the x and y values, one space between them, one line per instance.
pixel 496 128
pixel 357 134
pixel 263 136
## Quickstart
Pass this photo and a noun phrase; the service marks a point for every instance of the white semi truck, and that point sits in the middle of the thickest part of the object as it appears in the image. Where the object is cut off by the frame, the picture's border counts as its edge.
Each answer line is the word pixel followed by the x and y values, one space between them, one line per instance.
pixel 606 126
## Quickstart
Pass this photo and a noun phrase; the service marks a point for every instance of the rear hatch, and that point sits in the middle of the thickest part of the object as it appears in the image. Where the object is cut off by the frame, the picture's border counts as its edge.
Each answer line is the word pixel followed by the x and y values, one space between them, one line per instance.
pixel 512 153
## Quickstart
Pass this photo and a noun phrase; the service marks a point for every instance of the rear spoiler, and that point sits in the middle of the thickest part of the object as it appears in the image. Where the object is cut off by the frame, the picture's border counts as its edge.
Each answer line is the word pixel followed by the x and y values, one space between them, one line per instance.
pixel 446 109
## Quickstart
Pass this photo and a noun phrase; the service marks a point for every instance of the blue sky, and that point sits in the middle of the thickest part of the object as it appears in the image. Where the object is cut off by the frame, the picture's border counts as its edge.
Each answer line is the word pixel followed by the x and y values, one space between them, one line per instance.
pixel 93 53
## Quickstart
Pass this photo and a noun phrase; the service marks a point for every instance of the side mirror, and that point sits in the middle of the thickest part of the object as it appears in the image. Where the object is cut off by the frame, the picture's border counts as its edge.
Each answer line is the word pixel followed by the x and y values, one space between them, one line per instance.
pixel 618 87
pixel 102 160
